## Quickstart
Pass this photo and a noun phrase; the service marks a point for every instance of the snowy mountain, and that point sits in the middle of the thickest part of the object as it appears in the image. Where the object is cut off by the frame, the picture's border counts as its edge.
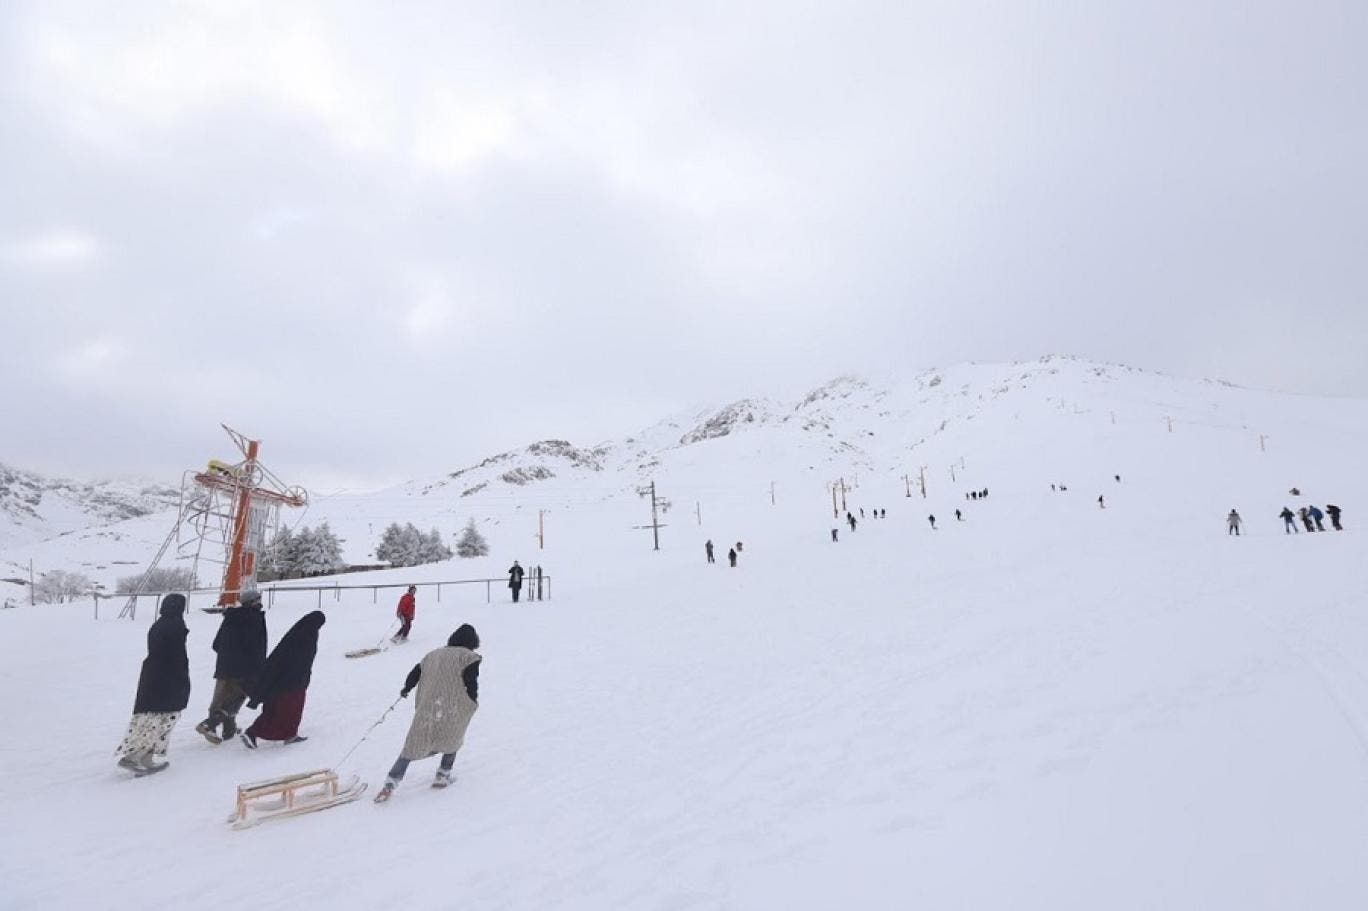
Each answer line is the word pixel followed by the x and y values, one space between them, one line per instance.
pixel 34 507
pixel 1061 699
pixel 1041 419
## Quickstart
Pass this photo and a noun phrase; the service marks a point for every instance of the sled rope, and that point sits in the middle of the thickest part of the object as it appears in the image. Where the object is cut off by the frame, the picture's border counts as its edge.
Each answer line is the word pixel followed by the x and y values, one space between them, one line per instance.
pixel 368 732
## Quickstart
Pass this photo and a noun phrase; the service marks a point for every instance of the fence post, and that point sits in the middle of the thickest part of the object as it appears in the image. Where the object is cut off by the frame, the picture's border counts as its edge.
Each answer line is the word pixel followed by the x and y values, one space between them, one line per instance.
pixel 320 598
pixel 439 593
pixel 375 592
pixel 487 591
pixel 97 605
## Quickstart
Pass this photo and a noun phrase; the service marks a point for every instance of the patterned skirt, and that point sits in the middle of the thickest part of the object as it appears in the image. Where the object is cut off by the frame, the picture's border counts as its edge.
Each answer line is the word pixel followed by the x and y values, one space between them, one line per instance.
pixel 148 732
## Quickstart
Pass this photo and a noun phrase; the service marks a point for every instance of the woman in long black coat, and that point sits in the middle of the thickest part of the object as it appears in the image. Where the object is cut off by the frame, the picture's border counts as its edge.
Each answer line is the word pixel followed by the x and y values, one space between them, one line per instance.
pixel 163 691
pixel 282 684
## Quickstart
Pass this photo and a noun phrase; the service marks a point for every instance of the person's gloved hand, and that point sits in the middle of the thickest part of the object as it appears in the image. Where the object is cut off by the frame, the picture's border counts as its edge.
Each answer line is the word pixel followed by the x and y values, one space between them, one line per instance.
pixel 403 694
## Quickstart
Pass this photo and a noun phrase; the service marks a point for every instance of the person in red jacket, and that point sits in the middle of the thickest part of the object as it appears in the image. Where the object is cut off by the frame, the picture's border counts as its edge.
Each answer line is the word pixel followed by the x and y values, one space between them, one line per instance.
pixel 405 612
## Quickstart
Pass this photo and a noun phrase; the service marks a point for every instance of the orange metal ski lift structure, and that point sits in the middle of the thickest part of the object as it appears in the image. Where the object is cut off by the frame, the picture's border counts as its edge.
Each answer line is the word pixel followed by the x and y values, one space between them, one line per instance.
pixel 234 508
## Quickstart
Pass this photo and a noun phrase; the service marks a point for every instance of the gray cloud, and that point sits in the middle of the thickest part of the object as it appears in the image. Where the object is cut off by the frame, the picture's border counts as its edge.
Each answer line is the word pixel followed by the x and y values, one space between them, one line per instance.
pixel 391 243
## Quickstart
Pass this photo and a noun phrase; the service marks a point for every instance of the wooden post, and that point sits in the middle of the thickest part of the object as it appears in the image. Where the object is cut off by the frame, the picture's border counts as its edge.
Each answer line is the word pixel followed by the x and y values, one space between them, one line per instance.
pixel 541 533
pixel 487 596
pixel 836 513
pixel 923 481
pixel 1262 447
pixel 1170 424
pixel 907 481
pixel 771 493
pixel 698 511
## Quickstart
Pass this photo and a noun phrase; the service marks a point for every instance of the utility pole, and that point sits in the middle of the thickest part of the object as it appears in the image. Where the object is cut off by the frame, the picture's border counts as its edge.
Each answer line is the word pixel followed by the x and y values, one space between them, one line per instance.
pixel 1170 424
pixel 922 475
pixel 771 493
pixel 843 488
pixel 698 511
pixel 657 504
pixel 836 513
pixel 952 472
pixel 541 529
pixel 907 481
pixel 1262 438
pixel 1113 414
pixel 31 601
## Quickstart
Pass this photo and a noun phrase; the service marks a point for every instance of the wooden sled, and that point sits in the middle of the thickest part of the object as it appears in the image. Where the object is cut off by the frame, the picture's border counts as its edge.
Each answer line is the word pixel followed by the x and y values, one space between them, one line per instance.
pixel 292 795
pixel 364 652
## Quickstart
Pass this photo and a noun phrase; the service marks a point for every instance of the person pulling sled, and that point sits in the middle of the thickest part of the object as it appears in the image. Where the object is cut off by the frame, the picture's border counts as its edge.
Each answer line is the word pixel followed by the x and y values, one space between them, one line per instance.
pixel 448 682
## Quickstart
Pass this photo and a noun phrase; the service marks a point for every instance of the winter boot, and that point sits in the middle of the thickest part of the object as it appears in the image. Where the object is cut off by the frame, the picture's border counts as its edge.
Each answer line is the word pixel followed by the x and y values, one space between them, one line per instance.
pixel 386 790
pixel 129 762
pixel 206 728
pixel 444 778
pixel 295 739
pixel 248 740
pixel 148 764
pixel 229 728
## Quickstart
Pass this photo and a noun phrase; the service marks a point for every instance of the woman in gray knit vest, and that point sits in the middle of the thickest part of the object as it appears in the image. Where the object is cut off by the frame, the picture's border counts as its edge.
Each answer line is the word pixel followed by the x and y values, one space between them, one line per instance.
pixel 448 682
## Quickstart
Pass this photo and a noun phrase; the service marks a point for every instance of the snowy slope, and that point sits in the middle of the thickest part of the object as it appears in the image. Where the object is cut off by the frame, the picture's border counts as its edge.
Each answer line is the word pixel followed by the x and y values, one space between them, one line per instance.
pixel 1046 705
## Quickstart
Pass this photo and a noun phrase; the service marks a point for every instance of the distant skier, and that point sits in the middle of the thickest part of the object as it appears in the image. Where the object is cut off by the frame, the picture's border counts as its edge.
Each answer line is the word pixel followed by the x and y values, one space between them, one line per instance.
pixel 283 683
pixel 1054 487
pixel 1306 519
pixel 883 514
pixel 163 691
pixel 515 577
pixel 851 520
pixel 1334 513
pixel 708 548
pixel 448 682
pixel 862 515
pixel 408 606
pixel 1289 521
pixel 958 517
pixel 1233 523
pixel 983 494
pixel 1118 478
pixel 932 520
pixel 731 557
pixel 834 533
pixel 739 548
pixel 1101 503
pixel 1316 516
pixel 241 647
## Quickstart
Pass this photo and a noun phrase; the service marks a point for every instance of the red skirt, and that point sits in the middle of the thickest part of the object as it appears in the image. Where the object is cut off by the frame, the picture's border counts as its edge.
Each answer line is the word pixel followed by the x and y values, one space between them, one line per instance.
pixel 279 719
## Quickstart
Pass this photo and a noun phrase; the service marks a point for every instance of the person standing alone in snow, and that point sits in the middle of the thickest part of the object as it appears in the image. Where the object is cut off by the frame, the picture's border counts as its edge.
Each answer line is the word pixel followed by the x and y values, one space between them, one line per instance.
pixel 708 547
pixel 932 520
pixel 408 607
pixel 448 682
pixel 1101 503
pixel 1233 523
pixel 731 557
pixel 241 647
pixel 1289 521
pixel 163 691
pixel 515 577
pixel 834 533
pixel 283 683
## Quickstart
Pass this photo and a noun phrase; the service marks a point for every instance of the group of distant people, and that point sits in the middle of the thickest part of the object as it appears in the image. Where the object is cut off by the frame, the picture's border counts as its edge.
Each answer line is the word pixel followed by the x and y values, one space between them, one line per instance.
pixel 1311 518
pixel 731 554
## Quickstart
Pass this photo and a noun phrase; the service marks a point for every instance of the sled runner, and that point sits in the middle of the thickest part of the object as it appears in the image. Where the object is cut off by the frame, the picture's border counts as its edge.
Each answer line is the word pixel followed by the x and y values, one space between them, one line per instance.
pixel 292 795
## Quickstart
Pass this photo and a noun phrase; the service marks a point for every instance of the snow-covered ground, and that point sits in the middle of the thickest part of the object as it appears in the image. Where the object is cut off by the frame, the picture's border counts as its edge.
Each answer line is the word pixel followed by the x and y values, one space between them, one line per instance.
pixel 1046 705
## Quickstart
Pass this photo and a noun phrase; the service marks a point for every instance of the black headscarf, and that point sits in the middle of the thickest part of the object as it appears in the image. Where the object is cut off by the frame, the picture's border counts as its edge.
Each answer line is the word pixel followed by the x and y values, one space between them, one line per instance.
pixel 164 684
pixel 465 636
pixel 290 664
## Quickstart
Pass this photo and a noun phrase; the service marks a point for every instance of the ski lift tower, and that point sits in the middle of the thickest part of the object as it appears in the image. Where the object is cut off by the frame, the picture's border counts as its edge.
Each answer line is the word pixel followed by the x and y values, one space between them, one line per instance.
pixel 231 509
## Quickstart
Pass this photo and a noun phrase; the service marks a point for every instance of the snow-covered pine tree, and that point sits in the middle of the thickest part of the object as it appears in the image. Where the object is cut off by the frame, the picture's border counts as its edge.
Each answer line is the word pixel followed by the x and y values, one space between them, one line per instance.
pixel 390 549
pixel 280 556
pixel 471 543
pixel 433 548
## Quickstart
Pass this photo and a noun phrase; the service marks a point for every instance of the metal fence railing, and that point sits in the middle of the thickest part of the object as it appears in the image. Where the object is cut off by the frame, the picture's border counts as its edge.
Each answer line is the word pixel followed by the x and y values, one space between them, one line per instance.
pixel 536 587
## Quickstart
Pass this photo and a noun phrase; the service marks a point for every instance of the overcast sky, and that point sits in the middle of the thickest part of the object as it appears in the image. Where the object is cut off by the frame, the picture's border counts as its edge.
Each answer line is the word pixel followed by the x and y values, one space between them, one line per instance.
pixel 390 239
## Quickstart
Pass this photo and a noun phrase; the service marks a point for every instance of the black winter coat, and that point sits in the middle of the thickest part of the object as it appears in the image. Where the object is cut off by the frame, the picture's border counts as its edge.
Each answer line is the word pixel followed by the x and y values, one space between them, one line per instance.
pixel 290 664
pixel 164 684
pixel 240 643
pixel 515 577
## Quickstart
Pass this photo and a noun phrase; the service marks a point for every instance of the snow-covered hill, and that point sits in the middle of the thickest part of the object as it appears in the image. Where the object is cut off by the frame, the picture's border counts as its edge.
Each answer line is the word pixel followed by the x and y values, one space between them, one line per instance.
pixel 34 507
pixel 1043 705
pixel 1049 419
